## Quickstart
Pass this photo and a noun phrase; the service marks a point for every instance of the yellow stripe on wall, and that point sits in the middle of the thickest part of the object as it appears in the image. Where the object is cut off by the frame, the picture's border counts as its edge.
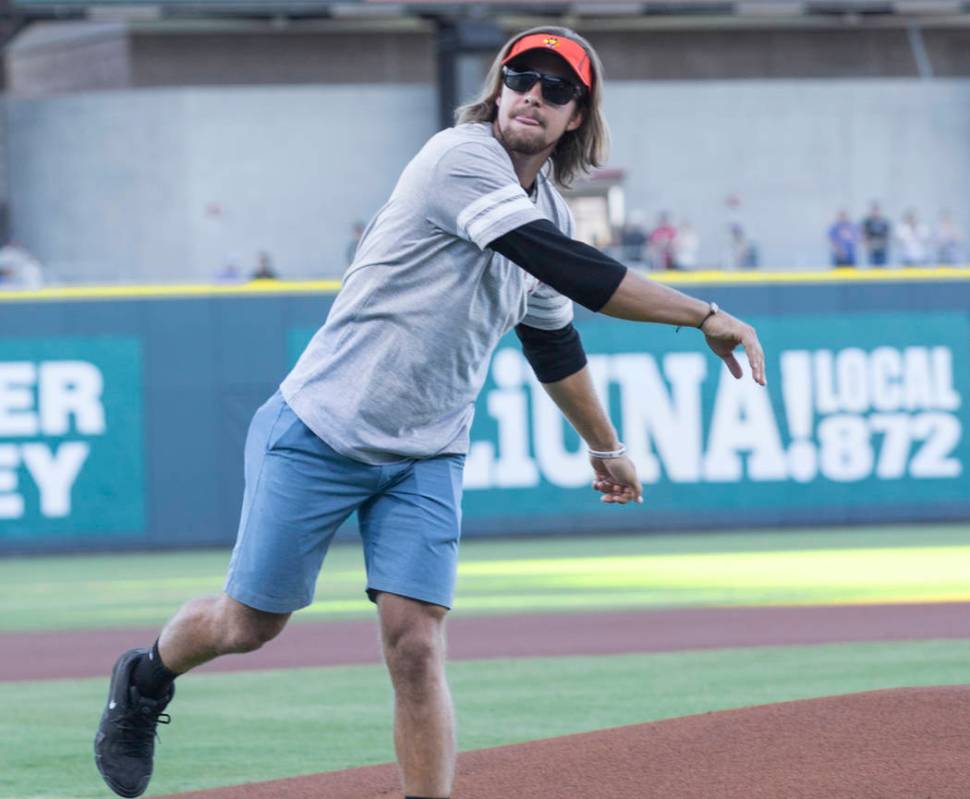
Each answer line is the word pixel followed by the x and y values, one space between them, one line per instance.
pixel 841 275
pixel 277 287
pixel 175 291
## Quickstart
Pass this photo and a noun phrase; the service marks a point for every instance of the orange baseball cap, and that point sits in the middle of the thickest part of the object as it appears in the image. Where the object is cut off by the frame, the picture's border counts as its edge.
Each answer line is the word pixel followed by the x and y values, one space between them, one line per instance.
pixel 572 52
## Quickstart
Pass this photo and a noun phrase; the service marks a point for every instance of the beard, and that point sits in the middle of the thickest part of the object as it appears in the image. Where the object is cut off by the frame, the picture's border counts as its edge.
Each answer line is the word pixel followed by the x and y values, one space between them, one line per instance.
pixel 523 141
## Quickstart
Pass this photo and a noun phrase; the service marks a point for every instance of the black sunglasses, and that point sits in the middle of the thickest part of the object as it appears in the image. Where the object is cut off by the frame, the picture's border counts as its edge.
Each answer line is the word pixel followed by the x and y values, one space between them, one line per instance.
pixel 555 90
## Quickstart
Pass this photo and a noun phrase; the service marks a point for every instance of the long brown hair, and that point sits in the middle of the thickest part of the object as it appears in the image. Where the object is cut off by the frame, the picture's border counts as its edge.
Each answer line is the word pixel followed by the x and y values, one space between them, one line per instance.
pixel 578 151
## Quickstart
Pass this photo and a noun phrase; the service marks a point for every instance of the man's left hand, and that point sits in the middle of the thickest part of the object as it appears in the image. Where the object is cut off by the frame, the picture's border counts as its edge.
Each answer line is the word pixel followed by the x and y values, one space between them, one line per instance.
pixel 616 479
pixel 723 333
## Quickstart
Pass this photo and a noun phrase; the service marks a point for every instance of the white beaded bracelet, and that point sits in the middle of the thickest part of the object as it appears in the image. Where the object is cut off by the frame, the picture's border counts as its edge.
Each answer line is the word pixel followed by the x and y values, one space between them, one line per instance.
pixel 615 453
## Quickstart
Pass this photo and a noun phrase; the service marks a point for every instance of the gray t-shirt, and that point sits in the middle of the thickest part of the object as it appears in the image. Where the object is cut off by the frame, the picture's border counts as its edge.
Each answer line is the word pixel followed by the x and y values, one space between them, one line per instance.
pixel 395 370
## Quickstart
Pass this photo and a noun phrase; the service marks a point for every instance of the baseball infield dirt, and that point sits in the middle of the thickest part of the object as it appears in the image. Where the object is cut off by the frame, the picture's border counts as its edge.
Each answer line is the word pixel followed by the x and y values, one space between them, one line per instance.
pixel 909 743
pixel 40 655
pixel 899 744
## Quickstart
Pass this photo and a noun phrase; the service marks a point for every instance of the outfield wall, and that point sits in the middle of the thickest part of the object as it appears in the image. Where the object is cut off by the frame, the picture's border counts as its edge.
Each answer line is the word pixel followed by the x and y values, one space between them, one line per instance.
pixel 128 185
pixel 123 412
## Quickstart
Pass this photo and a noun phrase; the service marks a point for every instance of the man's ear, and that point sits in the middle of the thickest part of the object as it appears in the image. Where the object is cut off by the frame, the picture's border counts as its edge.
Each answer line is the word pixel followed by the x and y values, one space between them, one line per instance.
pixel 576 120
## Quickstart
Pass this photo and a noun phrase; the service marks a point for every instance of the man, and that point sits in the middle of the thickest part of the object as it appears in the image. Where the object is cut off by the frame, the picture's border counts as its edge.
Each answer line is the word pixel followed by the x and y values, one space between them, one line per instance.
pixel 876 232
pixel 843 237
pixel 742 252
pixel 948 238
pixel 375 415
pixel 662 242
pixel 633 238
pixel 913 238
pixel 264 268
pixel 687 246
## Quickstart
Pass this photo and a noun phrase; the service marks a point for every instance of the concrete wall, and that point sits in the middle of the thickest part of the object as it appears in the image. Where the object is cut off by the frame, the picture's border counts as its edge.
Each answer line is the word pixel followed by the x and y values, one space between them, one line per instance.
pixel 274 58
pixel 53 57
pixel 752 53
pixel 794 152
pixel 68 57
pixel 167 184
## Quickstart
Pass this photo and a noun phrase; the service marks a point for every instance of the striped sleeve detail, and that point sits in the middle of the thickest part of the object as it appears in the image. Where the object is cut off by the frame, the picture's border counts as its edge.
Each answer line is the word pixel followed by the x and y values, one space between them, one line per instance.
pixel 537 301
pixel 495 213
pixel 548 309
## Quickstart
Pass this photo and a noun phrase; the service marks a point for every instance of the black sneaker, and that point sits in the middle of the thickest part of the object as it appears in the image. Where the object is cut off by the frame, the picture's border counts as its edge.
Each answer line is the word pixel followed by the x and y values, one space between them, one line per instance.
pixel 125 744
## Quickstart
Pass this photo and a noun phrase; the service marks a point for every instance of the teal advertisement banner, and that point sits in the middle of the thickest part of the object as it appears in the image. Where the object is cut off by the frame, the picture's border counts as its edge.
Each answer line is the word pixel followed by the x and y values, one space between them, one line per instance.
pixel 861 411
pixel 123 421
pixel 71 454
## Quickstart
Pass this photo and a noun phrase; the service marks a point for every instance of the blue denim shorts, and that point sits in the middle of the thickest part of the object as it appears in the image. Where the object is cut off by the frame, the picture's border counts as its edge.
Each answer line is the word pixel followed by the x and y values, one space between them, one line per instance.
pixel 299 491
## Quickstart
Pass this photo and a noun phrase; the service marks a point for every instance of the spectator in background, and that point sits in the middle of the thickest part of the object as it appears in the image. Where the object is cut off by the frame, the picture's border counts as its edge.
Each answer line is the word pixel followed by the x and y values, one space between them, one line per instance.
pixel 230 272
pixel 687 245
pixel 633 238
pixel 661 243
pixel 948 239
pixel 843 240
pixel 603 240
pixel 742 252
pixel 18 268
pixel 913 238
pixel 876 232
pixel 264 268
pixel 356 233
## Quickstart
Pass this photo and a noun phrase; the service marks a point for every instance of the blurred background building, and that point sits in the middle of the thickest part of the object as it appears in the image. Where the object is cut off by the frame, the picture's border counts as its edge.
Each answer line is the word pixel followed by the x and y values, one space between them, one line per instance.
pixel 192 141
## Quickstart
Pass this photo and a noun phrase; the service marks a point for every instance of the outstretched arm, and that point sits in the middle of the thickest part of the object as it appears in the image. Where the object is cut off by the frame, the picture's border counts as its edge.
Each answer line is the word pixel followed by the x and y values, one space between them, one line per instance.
pixel 646 301
pixel 600 283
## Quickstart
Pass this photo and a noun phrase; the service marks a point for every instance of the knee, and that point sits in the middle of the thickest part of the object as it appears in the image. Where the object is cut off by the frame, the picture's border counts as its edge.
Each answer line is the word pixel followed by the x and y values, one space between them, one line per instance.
pixel 413 634
pixel 414 657
pixel 244 629
pixel 239 638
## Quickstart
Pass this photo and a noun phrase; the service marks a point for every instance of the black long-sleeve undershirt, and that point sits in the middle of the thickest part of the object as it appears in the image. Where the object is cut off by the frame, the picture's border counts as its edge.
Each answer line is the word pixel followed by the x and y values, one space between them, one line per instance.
pixel 572 268
pixel 553 354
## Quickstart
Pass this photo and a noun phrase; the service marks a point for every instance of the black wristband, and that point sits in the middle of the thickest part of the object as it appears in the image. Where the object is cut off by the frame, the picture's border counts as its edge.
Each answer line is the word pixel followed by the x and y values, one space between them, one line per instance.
pixel 713 310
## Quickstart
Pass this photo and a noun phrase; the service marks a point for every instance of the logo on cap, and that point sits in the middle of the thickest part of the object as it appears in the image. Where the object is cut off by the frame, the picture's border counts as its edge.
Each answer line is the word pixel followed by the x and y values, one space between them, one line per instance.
pixel 551 41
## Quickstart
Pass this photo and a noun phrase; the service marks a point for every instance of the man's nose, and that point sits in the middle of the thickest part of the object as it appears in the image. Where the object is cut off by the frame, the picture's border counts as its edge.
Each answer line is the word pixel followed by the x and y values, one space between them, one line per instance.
pixel 535 93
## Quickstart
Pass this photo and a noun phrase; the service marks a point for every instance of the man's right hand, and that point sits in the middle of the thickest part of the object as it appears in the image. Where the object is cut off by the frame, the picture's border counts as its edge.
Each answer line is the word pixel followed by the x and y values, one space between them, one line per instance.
pixel 616 479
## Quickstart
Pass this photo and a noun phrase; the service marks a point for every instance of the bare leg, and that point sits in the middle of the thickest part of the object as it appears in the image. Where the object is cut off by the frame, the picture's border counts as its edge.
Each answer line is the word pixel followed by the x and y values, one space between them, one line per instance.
pixel 210 626
pixel 424 725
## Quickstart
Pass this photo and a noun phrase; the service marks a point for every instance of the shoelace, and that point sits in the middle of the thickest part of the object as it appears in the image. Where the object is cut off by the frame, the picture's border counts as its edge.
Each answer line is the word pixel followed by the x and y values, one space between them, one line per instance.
pixel 143 722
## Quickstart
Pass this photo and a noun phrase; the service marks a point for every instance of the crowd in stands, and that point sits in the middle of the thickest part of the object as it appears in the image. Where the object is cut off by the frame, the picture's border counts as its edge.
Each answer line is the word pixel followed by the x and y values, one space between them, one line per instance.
pixel 232 272
pixel 667 246
pixel 911 242
pixel 874 240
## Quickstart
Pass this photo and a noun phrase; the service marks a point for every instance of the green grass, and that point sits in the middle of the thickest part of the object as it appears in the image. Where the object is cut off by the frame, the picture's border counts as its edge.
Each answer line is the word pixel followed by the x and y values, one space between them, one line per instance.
pixel 904 564
pixel 231 728
pixel 237 727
